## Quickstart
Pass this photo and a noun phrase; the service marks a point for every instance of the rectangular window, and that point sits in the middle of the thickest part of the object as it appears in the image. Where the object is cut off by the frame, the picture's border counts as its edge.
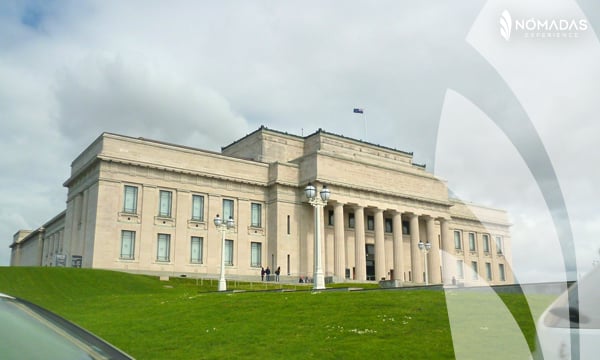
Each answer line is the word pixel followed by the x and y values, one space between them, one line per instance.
pixel 196 250
pixel 351 220
pixel 405 228
pixel 499 245
pixel 457 240
pixel 370 222
pixel 388 225
pixel 488 271
pixel 130 199
pixel 474 268
pixel 256 216
pixel 501 272
pixel 288 225
pixel 255 254
pixel 228 252
pixel 198 207
pixel 472 242
pixel 460 272
pixel 164 206
pixel 330 217
pixel 486 243
pixel 227 209
pixel 163 247
pixel 127 245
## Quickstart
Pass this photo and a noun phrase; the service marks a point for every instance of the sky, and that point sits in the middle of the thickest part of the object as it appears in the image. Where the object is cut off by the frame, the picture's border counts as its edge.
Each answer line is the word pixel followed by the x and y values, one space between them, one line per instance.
pixel 508 116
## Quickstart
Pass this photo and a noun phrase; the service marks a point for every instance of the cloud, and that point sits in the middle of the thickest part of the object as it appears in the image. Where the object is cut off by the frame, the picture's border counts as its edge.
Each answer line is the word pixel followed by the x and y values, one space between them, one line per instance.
pixel 113 94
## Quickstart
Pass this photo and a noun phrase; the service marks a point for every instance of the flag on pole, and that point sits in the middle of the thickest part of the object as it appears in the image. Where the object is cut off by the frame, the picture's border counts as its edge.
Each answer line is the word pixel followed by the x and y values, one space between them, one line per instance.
pixel 358 111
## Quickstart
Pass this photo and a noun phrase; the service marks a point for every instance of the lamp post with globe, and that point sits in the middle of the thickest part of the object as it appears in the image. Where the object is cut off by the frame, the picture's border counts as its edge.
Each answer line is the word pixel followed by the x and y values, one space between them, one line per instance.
pixel 318 203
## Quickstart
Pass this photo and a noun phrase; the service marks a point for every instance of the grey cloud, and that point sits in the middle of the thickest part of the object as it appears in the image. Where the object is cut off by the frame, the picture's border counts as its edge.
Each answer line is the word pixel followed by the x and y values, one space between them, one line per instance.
pixel 137 99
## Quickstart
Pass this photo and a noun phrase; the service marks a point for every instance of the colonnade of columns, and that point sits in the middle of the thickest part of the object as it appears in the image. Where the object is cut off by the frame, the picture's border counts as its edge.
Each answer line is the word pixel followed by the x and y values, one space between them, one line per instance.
pixel 398 260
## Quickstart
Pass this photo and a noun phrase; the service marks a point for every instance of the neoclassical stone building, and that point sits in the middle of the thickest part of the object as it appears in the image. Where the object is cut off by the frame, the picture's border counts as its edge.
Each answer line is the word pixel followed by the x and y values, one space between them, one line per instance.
pixel 141 205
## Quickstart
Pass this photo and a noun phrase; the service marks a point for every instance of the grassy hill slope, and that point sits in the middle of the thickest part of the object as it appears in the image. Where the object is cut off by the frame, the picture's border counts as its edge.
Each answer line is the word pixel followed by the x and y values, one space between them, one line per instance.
pixel 179 319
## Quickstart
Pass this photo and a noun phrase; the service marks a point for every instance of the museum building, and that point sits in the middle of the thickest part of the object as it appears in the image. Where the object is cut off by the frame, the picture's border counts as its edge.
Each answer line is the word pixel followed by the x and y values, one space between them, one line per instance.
pixel 147 206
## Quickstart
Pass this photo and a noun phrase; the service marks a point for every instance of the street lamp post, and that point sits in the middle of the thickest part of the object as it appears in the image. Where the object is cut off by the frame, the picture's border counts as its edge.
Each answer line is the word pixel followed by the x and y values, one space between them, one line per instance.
pixel 223 227
pixel 311 194
pixel 425 247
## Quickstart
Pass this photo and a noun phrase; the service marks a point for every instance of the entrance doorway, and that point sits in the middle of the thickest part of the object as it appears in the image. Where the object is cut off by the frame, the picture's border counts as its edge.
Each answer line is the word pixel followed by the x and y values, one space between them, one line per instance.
pixel 370 251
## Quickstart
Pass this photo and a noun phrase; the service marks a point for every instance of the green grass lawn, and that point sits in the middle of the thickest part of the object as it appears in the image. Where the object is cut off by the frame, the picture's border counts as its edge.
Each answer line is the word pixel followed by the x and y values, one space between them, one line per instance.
pixel 183 319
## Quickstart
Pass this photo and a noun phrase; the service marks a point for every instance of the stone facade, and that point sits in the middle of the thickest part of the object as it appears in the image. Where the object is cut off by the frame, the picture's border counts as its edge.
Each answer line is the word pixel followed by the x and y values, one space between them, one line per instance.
pixel 141 205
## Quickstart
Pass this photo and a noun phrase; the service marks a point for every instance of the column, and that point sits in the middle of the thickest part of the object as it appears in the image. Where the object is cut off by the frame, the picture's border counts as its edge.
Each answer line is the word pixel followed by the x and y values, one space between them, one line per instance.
pixel 433 260
pixel 380 271
pixel 339 251
pixel 448 261
pixel 416 259
pixel 359 227
pixel 398 247
pixel 40 248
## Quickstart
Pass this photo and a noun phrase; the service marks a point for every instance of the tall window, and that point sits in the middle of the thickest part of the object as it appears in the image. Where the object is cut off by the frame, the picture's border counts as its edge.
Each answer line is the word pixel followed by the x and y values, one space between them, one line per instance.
pixel 330 217
pixel 472 242
pixel 164 206
pixel 130 199
pixel 227 209
pixel 255 254
pixel 288 225
pixel 196 250
pixel 256 215
pixel 474 268
pixel 457 240
pixel 405 228
pixel 388 225
pixel 229 252
pixel 198 207
pixel 460 273
pixel 127 245
pixel 501 272
pixel 163 247
pixel 370 222
pixel 351 220
pixel 486 243
pixel 488 271
pixel 499 245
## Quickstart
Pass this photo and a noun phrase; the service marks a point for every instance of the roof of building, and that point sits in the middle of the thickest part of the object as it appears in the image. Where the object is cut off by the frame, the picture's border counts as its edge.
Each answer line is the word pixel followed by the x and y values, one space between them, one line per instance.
pixel 319 131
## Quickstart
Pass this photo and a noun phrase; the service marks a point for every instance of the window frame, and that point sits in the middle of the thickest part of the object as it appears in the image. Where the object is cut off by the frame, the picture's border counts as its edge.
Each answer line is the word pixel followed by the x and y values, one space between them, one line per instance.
pixel 228 255
pixel 255 252
pixel 501 272
pixel 199 258
pixel 499 245
pixel 486 243
pixel 388 225
pixel 370 223
pixel 166 238
pixel 197 215
pixel 488 271
pixel 256 211
pixel 134 198
pixel 460 269
pixel 475 270
pixel 131 245
pixel 472 241
pixel 227 212
pixel 168 205
pixel 457 240
pixel 351 220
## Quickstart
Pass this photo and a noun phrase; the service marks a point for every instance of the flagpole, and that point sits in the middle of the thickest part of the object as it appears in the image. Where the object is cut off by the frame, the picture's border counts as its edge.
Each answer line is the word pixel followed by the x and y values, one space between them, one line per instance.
pixel 365 120
pixel 362 112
